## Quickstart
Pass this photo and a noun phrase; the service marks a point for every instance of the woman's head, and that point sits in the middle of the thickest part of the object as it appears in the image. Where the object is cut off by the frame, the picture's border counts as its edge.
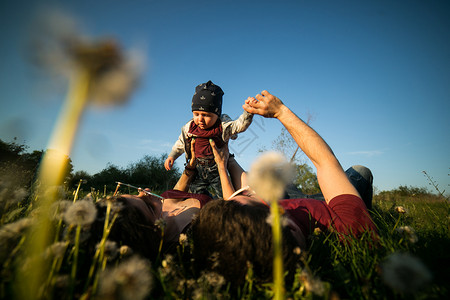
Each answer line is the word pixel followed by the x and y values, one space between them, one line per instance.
pixel 229 237
pixel 134 225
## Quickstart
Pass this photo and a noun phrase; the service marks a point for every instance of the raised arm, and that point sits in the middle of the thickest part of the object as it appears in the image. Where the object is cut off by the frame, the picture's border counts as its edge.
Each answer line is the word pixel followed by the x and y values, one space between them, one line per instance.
pixel 330 175
pixel 221 157
pixel 188 173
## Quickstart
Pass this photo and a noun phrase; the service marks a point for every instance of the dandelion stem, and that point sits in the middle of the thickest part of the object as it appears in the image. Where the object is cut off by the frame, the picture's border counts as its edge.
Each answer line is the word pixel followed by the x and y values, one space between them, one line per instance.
pixel 78 189
pixel 73 273
pixel 51 174
pixel 278 282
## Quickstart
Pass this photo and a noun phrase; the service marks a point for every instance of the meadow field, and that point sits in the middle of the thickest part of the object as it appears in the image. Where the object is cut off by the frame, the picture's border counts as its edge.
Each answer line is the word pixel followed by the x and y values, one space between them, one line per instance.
pixel 409 261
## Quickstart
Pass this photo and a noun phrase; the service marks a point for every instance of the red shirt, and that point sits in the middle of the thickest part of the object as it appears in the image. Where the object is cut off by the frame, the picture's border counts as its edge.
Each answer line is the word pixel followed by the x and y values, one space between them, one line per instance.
pixel 345 214
pixel 202 136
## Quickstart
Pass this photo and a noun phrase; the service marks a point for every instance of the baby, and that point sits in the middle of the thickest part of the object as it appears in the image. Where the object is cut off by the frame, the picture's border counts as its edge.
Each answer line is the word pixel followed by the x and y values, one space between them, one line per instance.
pixel 207 123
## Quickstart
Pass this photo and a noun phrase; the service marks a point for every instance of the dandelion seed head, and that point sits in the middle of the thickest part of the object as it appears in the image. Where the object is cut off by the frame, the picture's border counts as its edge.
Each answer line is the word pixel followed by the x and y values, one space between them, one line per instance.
pixel 115 86
pixel 10 235
pixel 400 210
pixel 284 221
pixel 81 213
pixel 89 197
pixel 408 232
pixel 58 45
pixel 131 279
pixel 183 240
pixel 56 250
pixel 212 279
pixel 404 273
pixel 110 250
pixel 269 175
pixel 161 224
pixel 59 208
pixel 125 251
pixel 311 283
pixel 18 196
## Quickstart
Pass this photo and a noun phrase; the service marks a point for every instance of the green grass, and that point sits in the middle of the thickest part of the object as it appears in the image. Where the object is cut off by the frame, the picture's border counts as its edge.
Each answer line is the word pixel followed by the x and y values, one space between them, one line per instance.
pixel 331 269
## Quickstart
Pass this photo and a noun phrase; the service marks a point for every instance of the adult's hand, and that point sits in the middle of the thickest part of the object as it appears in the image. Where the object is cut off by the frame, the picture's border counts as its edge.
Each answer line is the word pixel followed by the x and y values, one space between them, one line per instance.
pixel 193 161
pixel 220 155
pixel 265 104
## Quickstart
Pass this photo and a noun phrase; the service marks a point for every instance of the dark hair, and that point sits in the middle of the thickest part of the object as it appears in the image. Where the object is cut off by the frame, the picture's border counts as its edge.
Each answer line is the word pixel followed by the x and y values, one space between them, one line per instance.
pixel 229 237
pixel 130 228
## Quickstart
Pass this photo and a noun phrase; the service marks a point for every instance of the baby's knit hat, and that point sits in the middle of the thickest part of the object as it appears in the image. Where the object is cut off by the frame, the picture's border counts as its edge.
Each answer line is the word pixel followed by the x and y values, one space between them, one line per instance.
pixel 208 97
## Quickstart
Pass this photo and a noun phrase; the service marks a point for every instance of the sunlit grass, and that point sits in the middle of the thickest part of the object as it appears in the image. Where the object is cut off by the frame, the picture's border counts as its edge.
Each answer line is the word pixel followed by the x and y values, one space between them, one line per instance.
pixel 330 268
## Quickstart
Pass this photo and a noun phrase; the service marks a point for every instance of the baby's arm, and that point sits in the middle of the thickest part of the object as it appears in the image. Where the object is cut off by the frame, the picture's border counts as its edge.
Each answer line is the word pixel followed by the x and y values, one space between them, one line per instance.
pixel 177 150
pixel 232 128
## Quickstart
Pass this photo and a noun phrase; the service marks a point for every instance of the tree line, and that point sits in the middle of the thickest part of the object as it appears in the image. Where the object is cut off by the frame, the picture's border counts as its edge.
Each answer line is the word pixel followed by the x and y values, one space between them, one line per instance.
pixel 19 168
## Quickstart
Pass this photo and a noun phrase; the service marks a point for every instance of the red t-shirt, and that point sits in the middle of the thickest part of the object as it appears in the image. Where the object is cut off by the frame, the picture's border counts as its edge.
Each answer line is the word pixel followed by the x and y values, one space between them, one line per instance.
pixel 345 214
pixel 202 136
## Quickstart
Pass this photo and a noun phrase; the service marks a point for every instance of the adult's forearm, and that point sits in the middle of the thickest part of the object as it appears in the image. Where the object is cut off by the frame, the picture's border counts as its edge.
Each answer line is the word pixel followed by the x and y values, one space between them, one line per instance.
pixel 225 181
pixel 330 175
pixel 311 143
pixel 185 179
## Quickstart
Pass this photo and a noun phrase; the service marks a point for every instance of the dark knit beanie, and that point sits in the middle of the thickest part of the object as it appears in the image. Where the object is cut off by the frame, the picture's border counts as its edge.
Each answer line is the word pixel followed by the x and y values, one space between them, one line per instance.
pixel 208 97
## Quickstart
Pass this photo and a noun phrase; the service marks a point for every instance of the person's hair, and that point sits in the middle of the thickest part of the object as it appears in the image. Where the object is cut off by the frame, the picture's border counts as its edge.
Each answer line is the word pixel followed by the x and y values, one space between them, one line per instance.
pixel 230 237
pixel 130 228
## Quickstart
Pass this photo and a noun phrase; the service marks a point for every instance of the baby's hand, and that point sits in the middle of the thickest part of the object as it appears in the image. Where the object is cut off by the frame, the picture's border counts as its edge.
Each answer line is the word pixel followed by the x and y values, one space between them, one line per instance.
pixel 169 163
pixel 251 101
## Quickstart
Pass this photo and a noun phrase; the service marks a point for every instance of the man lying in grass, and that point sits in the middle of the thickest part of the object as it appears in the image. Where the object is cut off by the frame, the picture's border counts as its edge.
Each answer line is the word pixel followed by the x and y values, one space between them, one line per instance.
pixel 231 236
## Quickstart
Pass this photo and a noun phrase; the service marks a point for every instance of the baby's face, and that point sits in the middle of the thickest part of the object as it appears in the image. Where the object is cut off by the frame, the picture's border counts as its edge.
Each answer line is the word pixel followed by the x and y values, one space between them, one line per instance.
pixel 204 119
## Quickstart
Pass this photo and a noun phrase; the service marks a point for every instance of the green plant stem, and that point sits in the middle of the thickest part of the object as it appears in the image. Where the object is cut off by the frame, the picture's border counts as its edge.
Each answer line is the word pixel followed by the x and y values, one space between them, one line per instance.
pixel 73 273
pixel 278 280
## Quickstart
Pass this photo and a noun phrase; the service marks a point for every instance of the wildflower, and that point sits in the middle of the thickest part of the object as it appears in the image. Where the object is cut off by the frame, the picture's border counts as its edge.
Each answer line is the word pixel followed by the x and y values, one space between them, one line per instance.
pixel 110 250
pixel 183 240
pixel 59 208
pixel 400 209
pixel 56 250
pixel 161 224
pixel 168 266
pixel 89 197
pixel 283 220
pixel 60 47
pixel 297 251
pixel 131 279
pixel 408 232
pixel 18 195
pixel 311 283
pixel 317 231
pixel 81 213
pixel 212 279
pixel 125 251
pixel 269 175
pixel 10 235
pixel 404 273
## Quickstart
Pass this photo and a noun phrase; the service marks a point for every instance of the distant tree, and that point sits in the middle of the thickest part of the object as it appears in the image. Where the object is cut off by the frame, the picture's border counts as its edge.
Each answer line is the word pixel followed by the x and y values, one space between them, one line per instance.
pixel 149 172
pixel 78 176
pixel 108 177
pixel 18 167
pixel 305 179
pixel 11 151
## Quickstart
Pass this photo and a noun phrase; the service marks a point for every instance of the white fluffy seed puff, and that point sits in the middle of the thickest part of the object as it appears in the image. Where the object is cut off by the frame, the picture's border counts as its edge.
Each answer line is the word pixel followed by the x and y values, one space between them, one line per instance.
pixel 269 175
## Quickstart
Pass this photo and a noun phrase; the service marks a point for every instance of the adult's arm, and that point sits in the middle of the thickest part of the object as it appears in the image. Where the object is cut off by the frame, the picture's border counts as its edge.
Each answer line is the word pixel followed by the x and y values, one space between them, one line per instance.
pixel 188 173
pixel 221 158
pixel 330 175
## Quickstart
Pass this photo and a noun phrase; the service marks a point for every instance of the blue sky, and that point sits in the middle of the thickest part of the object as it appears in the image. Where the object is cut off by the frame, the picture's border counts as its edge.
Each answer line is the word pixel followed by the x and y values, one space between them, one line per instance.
pixel 375 76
